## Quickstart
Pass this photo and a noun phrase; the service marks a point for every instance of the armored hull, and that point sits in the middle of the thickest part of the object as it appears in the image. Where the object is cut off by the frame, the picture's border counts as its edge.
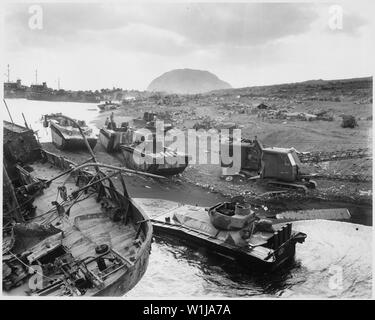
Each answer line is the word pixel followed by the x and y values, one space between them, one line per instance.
pixel 263 250
pixel 69 137
pixel 112 139
pixel 167 162
pixel 108 106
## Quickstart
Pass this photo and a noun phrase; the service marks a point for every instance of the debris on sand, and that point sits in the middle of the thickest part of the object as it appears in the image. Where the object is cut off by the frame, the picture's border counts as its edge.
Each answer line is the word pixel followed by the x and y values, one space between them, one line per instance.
pixel 349 121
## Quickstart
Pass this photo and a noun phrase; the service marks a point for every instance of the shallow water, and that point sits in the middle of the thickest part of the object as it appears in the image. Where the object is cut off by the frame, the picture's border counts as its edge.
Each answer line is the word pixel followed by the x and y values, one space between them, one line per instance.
pixel 334 262
pixel 33 111
pixel 331 249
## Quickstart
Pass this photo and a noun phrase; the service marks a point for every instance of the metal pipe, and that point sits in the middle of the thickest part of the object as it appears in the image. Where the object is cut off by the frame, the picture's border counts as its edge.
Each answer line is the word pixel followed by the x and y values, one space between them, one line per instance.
pixel 95 182
pixel 275 240
pixel 12 199
pixel 23 116
pixel 120 169
pixel 10 116
pixel 103 165
pixel 289 228
pixel 64 173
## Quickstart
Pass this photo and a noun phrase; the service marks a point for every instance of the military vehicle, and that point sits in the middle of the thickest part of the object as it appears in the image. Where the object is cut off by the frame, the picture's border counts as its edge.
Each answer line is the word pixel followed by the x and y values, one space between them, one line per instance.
pixel 65 135
pixel 231 229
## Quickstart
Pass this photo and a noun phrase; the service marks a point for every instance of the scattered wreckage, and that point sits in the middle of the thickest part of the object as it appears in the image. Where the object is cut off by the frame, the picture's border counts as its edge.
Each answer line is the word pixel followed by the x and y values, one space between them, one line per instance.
pixel 68 230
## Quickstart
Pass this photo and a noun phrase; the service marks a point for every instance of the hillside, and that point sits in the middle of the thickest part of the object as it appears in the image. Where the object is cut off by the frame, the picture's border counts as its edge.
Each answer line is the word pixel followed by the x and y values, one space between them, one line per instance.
pixel 357 89
pixel 187 81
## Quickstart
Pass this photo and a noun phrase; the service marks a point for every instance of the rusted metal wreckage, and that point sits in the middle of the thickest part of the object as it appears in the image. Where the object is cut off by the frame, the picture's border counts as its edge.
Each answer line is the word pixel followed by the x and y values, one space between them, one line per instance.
pixel 283 166
pixel 231 229
pixel 275 166
pixel 68 229
pixel 154 157
pixel 66 135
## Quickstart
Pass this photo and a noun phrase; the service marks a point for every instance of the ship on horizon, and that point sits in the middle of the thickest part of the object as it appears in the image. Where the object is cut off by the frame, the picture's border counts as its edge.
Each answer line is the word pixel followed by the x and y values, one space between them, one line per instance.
pixel 44 93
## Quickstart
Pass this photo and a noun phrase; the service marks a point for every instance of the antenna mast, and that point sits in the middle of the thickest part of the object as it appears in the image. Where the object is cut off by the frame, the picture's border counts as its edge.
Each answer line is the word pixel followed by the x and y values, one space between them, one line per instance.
pixel 8 73
pixel 36 76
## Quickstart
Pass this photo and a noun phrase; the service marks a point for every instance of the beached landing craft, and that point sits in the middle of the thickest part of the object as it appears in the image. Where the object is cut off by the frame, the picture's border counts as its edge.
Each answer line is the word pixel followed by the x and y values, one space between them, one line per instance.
pixel 111 136
pixel 162 161
pixel 65 135
pixel 108 105
pixel 67 229
pixel 149 162
pixel 232 230
pixel 149 121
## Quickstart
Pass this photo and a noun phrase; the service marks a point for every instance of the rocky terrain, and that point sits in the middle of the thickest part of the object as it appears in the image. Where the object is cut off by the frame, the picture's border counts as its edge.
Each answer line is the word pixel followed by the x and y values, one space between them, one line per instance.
pixel 306 116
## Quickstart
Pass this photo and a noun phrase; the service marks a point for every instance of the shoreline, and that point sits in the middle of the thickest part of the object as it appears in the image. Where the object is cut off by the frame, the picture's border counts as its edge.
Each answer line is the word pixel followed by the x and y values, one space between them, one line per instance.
pixel 175 189
pixel 336 187
pixel 330 188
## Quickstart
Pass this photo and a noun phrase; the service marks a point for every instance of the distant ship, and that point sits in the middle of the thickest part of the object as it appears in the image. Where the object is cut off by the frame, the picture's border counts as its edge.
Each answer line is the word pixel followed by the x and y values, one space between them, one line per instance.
pixel 14 90
pixel 42 92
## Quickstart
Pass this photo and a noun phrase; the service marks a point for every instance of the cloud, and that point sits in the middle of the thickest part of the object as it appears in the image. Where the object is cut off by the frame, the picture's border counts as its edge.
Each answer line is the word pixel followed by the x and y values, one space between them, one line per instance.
pixel 98 45
pixel 243 24
pixel 352 23
pixel 138 38
pixel 240 25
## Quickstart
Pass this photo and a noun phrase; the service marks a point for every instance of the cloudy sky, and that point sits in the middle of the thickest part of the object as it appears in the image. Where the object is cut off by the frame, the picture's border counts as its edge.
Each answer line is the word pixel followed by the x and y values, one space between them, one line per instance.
pixel 92 46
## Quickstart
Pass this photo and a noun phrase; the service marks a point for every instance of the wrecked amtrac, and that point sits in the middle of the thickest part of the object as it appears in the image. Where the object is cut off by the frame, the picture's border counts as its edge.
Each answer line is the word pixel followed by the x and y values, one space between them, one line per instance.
pixel 67 229
pixel 233 230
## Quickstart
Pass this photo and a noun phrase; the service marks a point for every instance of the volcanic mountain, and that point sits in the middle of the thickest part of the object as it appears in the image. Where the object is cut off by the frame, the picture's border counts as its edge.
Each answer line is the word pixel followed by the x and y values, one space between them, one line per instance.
pixel 187 81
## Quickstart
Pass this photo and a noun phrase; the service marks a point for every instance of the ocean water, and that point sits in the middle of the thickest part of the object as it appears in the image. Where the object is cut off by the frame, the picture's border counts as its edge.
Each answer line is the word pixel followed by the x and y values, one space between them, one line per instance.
pixel 334 262
pixel 34 110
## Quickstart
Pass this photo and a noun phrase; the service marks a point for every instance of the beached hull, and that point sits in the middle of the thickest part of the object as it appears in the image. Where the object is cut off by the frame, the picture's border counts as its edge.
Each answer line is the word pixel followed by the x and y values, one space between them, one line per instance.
pixel 108 107
pixel 228 251
pixel 110 140
pixel 121 237
pixel 134 274
pixel 127 281
pixel 107 140
pixel 63 141
pixel 164 169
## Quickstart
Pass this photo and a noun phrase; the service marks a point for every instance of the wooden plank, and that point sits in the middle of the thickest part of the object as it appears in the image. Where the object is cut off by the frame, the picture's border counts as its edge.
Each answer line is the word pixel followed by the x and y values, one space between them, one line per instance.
pixel 325 214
